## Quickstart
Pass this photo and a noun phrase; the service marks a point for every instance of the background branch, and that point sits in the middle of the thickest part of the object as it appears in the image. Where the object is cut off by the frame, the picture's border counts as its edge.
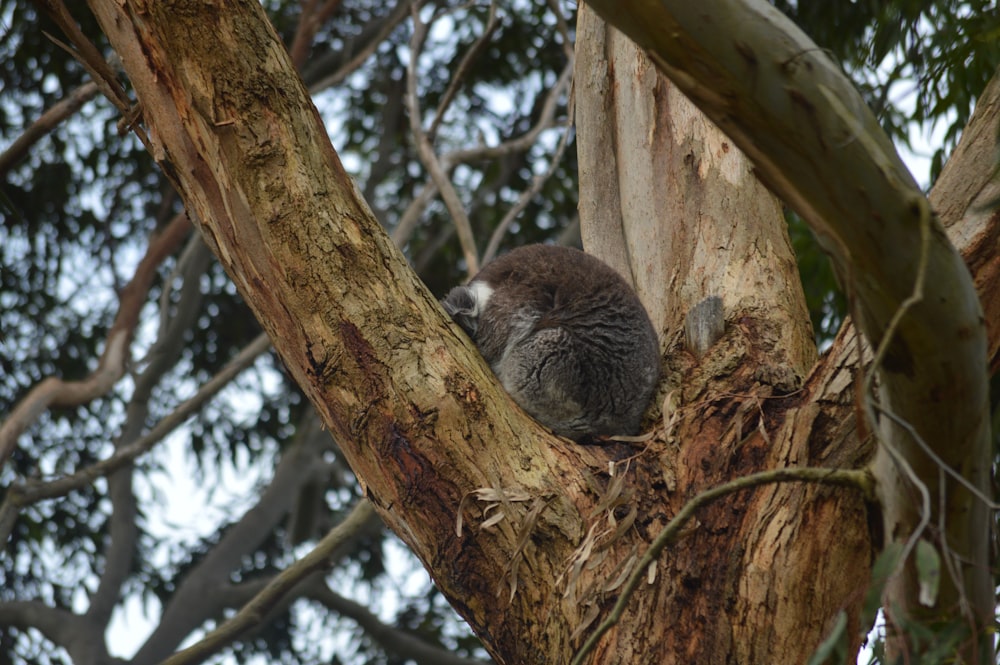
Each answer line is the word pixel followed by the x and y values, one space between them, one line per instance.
pixel 112 363
pixel 253 611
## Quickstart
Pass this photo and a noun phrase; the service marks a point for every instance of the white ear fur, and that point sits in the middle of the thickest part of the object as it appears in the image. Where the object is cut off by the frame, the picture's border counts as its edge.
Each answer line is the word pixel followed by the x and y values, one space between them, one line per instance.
pixel 481 293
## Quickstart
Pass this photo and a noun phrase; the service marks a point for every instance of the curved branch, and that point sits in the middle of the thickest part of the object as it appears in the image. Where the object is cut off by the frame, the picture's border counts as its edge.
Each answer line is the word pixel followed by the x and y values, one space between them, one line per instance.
pixel 310 20
pixel 111 366
pixel 791 109
pixel 458 78
pixel 20 495
pixel 189 606
pixel 45 123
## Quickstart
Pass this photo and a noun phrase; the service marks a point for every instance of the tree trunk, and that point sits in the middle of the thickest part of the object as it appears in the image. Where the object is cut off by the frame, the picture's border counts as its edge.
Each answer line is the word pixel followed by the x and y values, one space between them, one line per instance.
pixel 812 139
pixel 435 440
pixel 671 201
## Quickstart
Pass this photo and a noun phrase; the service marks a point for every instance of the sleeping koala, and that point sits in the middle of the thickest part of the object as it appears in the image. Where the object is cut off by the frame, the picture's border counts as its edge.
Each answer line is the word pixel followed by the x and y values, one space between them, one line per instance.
pixel 566 336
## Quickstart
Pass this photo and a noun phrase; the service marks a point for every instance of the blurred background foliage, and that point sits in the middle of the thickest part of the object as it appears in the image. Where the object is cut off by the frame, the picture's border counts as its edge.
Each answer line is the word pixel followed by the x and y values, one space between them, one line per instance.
pixel 79 206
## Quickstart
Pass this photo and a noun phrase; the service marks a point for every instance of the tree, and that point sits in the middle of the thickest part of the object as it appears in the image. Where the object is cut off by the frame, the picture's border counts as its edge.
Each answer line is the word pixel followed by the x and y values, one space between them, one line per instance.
pixel 432 438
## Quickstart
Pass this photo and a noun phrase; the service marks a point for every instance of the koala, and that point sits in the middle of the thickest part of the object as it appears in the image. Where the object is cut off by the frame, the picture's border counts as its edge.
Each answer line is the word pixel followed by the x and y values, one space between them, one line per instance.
pixel 566 336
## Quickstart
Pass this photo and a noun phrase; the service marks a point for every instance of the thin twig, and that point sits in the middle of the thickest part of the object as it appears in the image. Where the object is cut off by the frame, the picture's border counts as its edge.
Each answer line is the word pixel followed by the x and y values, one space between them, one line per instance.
pixel 860 479
pixel 870 403
pixel 565 79
pixel 518 144
pixel 919 440
pixel 411 216
pixel 563 28
pixel 915 296
pixel 387 24
pixel 45 123
pixel 470 56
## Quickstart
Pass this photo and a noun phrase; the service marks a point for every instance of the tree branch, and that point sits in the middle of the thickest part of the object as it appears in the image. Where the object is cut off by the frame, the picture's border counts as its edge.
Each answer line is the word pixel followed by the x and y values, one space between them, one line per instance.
pixel 356 50
pixel 45 123
pixel 565 79
pixel 164 353
pixel 251 614
pixel 462 71
pixel 78 635
pixel 394 640
pixel 22 494
pixel 310 20
pixel 188 606
pixel 790 108
pixel 111 365
pixel 426 150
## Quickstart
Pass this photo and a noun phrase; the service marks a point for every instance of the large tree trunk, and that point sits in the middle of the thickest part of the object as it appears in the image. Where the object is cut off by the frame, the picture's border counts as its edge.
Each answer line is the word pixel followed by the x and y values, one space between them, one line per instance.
pixel 813 140
pixel 672 201
pixel 433 437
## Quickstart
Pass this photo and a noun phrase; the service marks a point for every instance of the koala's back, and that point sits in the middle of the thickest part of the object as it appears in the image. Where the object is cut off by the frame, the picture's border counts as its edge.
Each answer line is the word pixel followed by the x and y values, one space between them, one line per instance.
pixel 566 336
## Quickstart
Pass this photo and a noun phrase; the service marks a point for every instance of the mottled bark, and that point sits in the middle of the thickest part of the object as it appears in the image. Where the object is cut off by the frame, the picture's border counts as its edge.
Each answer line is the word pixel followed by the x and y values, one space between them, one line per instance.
pixel 672 202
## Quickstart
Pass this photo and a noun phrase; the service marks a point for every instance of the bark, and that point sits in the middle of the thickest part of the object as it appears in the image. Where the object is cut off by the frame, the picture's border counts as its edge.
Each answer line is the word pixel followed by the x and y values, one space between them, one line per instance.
pixel 811 138
pixel 433 438
pixel 668 198
pixel 412 405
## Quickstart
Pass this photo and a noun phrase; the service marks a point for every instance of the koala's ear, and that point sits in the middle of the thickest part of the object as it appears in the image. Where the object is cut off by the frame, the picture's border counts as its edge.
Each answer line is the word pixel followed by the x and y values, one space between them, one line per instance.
pixel 461 305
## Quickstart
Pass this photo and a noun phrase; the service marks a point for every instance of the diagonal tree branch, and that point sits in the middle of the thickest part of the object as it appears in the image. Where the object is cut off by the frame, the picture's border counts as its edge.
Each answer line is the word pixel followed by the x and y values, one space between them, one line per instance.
pixel 20 495
pixel 45 123
pixel 189 606
pixel 393 640
pixel 356 51
pixel 309 23
pixel 252 613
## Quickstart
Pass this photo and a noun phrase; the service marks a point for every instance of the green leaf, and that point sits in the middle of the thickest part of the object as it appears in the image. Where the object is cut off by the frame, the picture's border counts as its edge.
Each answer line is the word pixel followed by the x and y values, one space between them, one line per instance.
pixel 928 572
pixel 828 647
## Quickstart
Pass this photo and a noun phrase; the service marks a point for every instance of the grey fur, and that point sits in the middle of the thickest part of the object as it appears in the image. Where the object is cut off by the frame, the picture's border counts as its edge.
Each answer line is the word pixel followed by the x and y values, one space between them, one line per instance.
pixel 566 336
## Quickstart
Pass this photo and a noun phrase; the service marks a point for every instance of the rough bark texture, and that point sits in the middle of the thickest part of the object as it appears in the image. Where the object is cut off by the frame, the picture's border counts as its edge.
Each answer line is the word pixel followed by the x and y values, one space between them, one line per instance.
pixel 424 425
pixel 670 201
